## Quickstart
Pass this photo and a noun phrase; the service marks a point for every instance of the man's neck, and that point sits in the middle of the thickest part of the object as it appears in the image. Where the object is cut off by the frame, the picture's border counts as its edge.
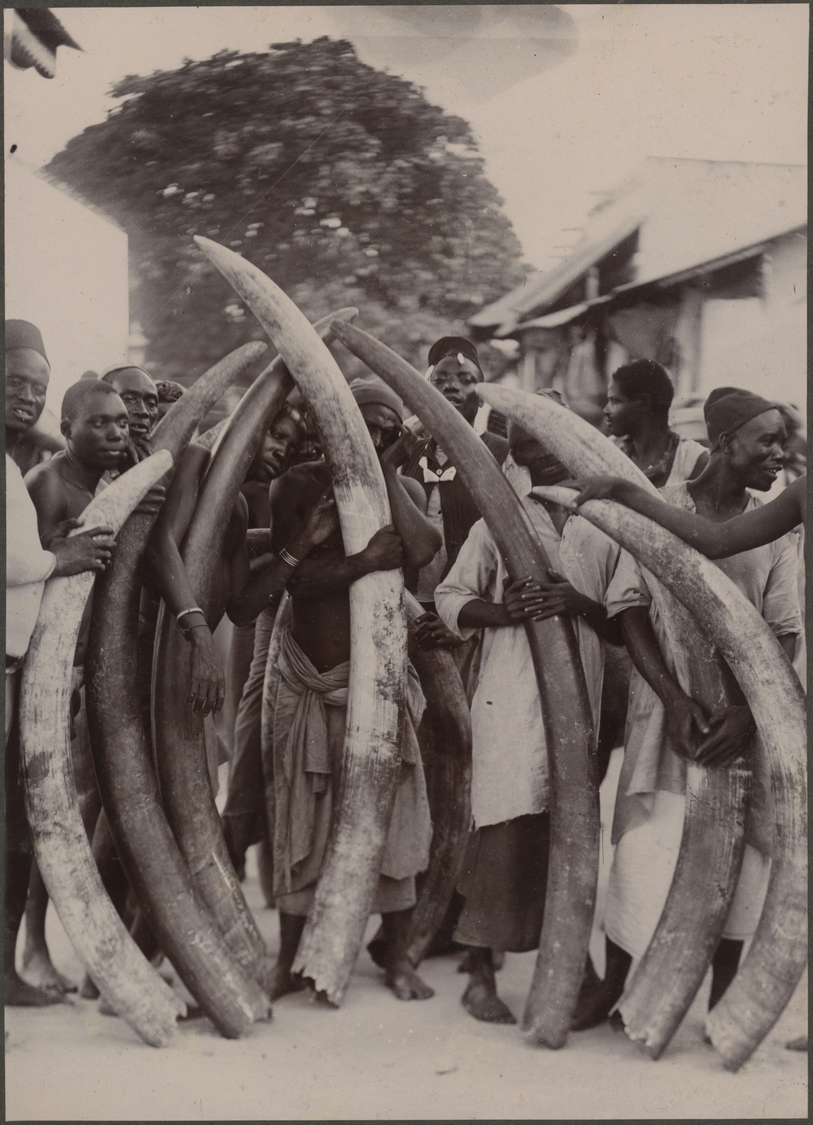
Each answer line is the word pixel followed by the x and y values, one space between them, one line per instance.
pixel 718 493
pixel 76 472
pixel 650 443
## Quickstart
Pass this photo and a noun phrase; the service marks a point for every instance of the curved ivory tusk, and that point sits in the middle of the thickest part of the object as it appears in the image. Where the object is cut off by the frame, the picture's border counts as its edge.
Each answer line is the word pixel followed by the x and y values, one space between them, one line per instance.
pixel 573 861
pixel 121 751
pixel 446 747
pixel 778 953
pixel 178 731
pixel 702 673
pixel 345 890
pixel 61 845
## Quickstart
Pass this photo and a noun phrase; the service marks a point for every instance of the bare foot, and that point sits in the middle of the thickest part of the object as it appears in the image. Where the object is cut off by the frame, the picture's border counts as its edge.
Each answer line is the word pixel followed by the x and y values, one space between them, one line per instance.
pixel 18 994
pixel 799 1044
pixel 39 972
pixel 279 981
pixel 88 991
pixel 406 984
pixel 481 1001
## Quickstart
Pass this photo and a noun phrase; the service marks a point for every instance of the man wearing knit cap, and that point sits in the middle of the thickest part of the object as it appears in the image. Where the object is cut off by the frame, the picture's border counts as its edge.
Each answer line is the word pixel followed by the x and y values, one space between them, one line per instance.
pixel 27 568
pixel 310 697
pixel 666 727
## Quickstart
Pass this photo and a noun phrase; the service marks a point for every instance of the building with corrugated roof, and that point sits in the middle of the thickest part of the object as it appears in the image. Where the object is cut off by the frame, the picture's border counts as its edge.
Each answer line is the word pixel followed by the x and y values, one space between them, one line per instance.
pixel 698 264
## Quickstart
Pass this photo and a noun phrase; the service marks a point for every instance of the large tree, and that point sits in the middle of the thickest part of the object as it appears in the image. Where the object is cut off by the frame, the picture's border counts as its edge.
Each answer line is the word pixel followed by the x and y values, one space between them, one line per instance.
pixel 341 182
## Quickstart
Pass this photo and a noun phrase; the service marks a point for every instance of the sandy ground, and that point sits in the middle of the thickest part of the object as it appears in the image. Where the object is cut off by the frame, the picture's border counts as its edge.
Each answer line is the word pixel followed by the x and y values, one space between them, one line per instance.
pixel 376 1058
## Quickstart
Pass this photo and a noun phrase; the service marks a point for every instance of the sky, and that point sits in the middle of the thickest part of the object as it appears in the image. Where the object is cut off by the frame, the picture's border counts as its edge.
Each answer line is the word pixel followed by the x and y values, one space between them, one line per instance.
pixel 563 100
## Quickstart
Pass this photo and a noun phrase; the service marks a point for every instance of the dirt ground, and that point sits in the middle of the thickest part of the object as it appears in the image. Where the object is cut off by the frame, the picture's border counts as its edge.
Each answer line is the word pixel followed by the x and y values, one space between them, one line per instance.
pixel 378 1059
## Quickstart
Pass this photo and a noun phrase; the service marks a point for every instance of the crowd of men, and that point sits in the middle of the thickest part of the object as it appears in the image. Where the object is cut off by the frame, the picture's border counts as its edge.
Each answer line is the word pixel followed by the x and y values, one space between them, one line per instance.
pixel 471 606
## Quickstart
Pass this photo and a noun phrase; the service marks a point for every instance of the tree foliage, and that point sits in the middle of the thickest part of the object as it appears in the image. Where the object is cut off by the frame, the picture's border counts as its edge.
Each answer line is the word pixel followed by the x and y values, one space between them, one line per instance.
pixel 339 181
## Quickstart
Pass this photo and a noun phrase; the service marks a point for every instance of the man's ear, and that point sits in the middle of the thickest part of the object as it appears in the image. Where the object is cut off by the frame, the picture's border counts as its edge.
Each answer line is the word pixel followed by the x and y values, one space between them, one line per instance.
pixel 65 427
pixel 725 441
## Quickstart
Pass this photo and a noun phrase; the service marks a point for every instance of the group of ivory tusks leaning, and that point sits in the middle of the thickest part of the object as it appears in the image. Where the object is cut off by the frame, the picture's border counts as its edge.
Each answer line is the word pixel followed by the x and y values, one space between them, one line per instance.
pixel 166 827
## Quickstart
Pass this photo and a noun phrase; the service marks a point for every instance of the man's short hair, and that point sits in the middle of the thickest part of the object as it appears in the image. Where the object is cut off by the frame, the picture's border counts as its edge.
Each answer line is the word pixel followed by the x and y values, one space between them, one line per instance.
pixel 646 377
pixel 76 394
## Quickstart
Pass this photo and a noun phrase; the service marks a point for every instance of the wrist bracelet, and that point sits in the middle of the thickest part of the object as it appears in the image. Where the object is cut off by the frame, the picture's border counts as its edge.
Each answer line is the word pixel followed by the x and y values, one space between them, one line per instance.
pixel 184 612
pixel 287 557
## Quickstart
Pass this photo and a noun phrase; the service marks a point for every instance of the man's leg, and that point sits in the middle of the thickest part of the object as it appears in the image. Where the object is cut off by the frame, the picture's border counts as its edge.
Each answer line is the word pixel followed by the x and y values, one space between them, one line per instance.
pixel 598 997
pixel 36 960
pixel 480 998
pixel 503 881
pixel 400 975
pixel 17 861
pixel 282 980
pixel 724 967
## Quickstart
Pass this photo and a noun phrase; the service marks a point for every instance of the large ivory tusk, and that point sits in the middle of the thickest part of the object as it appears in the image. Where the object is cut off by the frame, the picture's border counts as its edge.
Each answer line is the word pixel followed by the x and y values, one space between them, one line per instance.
pixel 63 853
pixel 573 862
pixel 701 672
pixel 122 758
pixel 178 731
pixel 778 953
pixel 344 894
pixel 446 747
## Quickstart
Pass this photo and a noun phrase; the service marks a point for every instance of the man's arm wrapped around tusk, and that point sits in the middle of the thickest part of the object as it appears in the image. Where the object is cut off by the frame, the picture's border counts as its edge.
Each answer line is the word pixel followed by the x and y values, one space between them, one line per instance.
pixel 122 757
pixel 701 673
pixel 777 957
pixel 371 761
pixel 107 951
pixel 179 731
pixel 573 862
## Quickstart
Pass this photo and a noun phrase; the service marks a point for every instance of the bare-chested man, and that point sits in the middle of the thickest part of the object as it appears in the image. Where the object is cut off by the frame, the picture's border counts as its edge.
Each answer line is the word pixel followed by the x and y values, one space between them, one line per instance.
pixel 314 673
pixel 27 373
pixel 96 428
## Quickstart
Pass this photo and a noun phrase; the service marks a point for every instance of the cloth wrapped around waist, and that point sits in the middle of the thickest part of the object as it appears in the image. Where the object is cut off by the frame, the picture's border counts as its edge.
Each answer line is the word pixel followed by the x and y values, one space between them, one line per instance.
pixel 309 727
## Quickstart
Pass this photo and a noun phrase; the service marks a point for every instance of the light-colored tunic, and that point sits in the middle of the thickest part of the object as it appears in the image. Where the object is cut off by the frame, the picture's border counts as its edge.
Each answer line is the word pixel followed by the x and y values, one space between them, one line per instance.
pixel 509 753
pixel 27 564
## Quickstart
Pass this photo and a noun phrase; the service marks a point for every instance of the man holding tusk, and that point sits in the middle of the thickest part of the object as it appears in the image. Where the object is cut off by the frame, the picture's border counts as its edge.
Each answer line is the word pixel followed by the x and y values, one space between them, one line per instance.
pixel 454 369
pixel 139 394
pixel 311 695
pixel 504 874
pixel 28 566
pixel 95 425
pixel 666 727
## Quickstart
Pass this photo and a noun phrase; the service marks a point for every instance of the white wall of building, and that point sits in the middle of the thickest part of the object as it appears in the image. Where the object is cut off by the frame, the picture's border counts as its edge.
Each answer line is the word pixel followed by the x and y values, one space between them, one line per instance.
pixel 65 271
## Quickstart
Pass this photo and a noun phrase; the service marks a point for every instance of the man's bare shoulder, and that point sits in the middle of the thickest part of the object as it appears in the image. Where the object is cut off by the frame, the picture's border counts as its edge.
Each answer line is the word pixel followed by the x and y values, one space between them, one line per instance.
pixel 46 474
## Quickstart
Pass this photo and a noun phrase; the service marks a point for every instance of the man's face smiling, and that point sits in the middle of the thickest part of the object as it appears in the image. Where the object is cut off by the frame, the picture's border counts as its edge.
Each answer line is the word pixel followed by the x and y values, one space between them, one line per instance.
pixel 27 374
pixel 383 424
pixel 456 381
pixel 140 395
pixel 756 450
pixel 98 431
